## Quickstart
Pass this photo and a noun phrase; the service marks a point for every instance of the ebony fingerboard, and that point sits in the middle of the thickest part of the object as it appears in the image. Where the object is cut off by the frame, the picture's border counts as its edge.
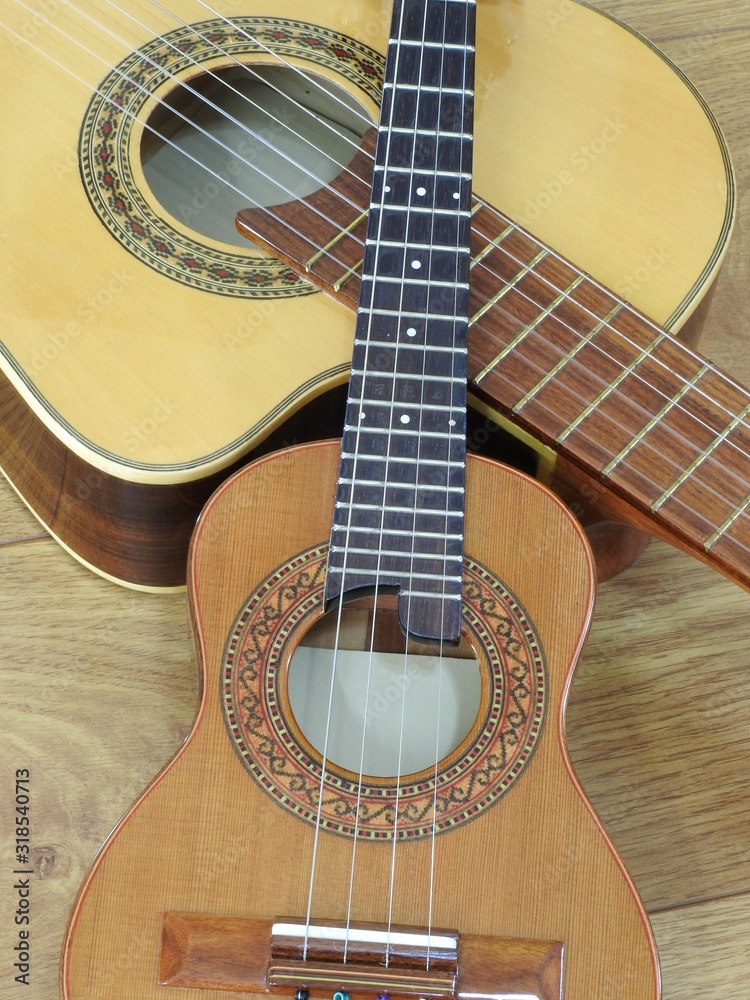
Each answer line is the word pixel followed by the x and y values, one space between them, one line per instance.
pixel 398 520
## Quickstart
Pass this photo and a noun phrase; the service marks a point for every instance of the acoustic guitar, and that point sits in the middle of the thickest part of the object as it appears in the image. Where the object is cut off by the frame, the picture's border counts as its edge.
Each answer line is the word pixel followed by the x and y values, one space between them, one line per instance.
pixel 147 350
pixel 418 832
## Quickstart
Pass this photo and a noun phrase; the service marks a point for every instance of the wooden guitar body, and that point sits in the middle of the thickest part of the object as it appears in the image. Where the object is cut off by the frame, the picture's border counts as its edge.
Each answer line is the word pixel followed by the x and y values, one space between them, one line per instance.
pixel 142 361
pixel 211 837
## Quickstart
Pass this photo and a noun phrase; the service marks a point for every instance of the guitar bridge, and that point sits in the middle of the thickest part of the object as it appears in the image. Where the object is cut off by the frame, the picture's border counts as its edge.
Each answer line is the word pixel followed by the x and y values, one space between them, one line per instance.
pixel 366 961
pixel 363 958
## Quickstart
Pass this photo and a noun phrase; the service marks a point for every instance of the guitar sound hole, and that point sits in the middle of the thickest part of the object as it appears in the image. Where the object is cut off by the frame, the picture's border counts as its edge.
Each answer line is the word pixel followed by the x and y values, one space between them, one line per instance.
pixel 418 707
pixel 245 137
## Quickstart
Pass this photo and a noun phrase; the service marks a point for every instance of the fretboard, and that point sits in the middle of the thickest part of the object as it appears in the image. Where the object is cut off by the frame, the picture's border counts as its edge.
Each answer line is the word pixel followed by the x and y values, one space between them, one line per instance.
pixel 398 520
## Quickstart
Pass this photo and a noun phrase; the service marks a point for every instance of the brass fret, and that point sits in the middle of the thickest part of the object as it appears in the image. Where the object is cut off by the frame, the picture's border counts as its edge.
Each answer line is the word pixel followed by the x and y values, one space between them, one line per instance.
pixel 586 339
pixel 529 326
pixel 654 420
pixel 526 269
pixel 309 264
pixel 610 388
pixel 727 524
pixel 348 275
pixel 699 461
pixel 492 245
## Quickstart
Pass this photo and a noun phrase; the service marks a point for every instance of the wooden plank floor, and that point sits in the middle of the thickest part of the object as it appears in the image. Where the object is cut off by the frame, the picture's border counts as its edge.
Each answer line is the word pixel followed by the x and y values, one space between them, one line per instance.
pixel 98 683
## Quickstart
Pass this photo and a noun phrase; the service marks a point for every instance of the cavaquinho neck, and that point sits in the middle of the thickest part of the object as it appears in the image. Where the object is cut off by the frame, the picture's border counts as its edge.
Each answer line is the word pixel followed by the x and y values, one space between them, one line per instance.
pixel 398 520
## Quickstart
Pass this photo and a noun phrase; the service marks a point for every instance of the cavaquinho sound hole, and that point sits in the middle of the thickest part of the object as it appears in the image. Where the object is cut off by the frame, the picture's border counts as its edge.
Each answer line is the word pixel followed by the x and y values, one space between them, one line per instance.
pixel 244 136
pixel 486 745
pixel 373 704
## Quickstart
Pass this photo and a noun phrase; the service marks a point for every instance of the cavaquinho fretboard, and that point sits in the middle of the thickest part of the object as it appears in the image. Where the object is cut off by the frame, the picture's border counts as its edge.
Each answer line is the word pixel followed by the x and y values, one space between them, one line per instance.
pixel 398 520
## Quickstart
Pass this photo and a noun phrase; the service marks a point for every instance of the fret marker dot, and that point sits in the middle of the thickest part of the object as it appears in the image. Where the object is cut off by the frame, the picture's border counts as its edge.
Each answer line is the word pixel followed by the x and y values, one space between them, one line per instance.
pixel 416 264
pixel 387 189
pixel 362 415
pixel 421 191
pixel 451 423
pixel 411 332
pixel 456 195
pixel 405 419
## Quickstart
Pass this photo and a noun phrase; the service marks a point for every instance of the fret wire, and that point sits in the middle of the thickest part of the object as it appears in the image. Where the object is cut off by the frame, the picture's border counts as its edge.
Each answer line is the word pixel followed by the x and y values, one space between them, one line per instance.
pixel 492 245
pixel 464 136
pixel 348 275
pixel 723 528
pixel 557 368
pixel 670 404
pixel 525 269
pixel 398 554
pixel 388 206
pixel 420 172
pixel 701 458
pixel 398 346
pixel 364 401
pixel 443 435
pixel 409 245
pixel 432 597
pixel 457 379
pixel 390 509
pixel 388 484
pixel 451 46
pixel 381 573
pixel 425 89
pixel 526 330
pixel 408 314
pixel 610 388
pixel 309 264
pixel 403 533
pixel 417 282
pixel 404 459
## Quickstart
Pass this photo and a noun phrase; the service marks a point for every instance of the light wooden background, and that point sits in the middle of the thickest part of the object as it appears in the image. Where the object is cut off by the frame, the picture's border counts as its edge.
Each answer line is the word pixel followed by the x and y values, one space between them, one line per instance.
pixel 98 683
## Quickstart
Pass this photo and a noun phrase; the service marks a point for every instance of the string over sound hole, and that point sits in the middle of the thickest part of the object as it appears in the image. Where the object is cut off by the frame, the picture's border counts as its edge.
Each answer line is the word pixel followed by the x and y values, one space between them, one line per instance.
pixel 266 134
pixel 395 709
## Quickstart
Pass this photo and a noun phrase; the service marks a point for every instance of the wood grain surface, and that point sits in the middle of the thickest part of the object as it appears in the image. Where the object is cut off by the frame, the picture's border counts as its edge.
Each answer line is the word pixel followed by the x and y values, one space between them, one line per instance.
pixel 99 683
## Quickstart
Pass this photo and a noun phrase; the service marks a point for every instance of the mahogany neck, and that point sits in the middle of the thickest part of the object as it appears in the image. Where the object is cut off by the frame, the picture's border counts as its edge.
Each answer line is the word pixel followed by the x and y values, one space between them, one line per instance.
pixel 398 520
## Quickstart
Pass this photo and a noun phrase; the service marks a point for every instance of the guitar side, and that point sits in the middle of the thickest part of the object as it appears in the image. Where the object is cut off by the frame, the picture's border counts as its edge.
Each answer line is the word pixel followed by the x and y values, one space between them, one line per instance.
pixel 205 838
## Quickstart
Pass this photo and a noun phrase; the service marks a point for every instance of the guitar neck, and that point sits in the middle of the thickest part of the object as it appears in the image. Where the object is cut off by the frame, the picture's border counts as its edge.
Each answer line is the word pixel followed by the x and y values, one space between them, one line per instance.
pixel 574 365
pixel 398 519
pixel 612 392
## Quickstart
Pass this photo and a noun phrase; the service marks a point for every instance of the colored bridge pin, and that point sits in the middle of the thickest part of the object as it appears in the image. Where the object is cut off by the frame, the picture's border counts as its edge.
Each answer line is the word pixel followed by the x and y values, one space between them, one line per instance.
pixel 383 996
pixel 341 995
pixel 302 995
